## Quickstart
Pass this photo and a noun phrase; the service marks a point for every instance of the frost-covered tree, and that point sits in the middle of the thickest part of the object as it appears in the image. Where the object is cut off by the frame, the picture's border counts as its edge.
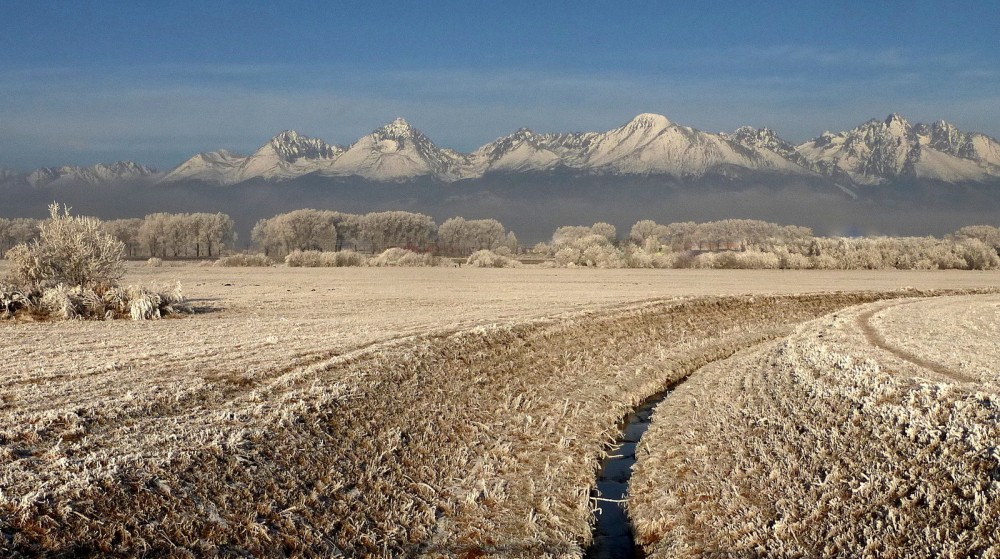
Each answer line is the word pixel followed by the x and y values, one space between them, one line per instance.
pixel 305 229
pixel 460 236
pixel 986 233
pixel 70 250
pixel 397 229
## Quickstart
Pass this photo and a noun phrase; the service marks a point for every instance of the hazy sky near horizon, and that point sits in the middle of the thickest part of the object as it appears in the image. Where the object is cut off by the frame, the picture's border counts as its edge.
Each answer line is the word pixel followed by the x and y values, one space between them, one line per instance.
pixel 87 82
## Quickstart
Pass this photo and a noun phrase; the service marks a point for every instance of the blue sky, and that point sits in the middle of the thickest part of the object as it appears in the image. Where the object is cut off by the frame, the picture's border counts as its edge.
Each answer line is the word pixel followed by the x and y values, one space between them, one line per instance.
pixel 155 82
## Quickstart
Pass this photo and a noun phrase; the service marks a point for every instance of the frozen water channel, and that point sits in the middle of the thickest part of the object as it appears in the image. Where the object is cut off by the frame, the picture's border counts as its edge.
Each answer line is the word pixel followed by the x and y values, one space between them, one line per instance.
pixel 613 536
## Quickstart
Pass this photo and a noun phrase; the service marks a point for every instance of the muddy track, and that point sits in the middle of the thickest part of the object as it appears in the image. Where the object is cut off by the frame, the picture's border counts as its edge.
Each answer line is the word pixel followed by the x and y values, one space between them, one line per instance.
pixel 473 443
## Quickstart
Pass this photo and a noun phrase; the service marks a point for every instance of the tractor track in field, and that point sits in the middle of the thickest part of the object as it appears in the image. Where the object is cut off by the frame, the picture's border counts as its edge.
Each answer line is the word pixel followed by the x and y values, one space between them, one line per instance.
pixel 876 339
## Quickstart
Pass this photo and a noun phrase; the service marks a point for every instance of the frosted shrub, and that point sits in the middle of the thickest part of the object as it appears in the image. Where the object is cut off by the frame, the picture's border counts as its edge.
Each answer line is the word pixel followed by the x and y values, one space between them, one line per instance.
pixel 303 259
pixel 343 259
pixel 635 257
pixel 402 257
pixel 71 250
pixel 244 261
pixel 567 256
pixel 749 260
pixel 72 271
pixel 601 256
pixel 59 301
pixel 977 255
pixel 704 260
pixel 315 259
pixel 490 259
pixel 791 260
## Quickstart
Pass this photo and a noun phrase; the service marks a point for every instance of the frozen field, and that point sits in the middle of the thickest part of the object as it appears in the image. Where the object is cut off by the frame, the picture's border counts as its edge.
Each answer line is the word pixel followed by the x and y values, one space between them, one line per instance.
pixel 384 411
pixel 867 433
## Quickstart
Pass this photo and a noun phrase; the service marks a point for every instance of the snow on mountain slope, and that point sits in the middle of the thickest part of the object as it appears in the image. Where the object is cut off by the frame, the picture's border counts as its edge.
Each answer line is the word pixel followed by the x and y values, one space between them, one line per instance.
pixel 769 144
pixel 286 156
pixel 397 151
pixel 214 166
pixel 96 174
pixel 978 148
pixel 867 154
pixel 651 144
pixel 519 152
pixel 878 151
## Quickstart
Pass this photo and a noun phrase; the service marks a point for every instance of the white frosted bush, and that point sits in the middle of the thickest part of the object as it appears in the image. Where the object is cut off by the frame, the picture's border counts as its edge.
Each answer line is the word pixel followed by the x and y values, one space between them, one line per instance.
pixel 315 258
pixel 792 260
pixel 60 302
pixel 69 250
pixel 343 258
pixel 72 271
pixel 749 260
pixel 567 256
pixel 135 302
pixel 665 259
pixel 635 257
pixel 244 261
pixel 303 259
pixel 977 255
pixel 144 304
pixel 490 259
pixel 601 256
pixel 402 257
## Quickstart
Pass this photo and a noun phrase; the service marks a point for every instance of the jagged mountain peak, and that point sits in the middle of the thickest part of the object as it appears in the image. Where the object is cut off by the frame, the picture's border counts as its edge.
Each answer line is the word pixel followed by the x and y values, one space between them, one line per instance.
pixel 523 133
pixel 894 118
pixel 289 146
pixel 757 136
pixel 125 168
pixel 398 128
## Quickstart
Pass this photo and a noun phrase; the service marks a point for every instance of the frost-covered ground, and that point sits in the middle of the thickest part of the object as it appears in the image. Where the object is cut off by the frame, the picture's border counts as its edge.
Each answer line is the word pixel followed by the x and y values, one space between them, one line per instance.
pixel 370 411
pixel 871 432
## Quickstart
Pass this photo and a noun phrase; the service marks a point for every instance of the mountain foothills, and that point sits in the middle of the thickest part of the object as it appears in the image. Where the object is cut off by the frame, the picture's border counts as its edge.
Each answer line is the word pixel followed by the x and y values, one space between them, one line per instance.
pixel 876 152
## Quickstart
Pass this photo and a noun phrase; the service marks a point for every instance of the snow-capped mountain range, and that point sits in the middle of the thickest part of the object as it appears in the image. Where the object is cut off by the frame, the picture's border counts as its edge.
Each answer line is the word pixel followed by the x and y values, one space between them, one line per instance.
pixel 101 173
pixel 872 153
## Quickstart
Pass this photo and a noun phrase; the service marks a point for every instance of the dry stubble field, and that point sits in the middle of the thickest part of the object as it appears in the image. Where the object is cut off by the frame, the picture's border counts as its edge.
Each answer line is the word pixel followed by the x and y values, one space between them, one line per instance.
pixel 359 411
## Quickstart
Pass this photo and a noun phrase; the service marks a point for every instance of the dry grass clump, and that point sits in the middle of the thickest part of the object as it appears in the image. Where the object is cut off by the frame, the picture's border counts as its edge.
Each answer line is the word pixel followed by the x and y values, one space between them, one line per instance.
pixel 12 300
pixel 490 259
pixel 481 442
pixel 244 261
pixel 64 302
pixel 407 258
pixel 830 443
pixel 325 259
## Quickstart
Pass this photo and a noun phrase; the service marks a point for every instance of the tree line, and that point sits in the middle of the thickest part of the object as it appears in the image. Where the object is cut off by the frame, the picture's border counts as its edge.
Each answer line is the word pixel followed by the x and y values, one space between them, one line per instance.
pixel 739 243
pixel 208 235
pixel 747 243
pixel 374 232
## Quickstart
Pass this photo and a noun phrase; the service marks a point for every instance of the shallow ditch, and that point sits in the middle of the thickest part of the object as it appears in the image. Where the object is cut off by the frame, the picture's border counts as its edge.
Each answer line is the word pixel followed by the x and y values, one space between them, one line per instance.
pixel 613 535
